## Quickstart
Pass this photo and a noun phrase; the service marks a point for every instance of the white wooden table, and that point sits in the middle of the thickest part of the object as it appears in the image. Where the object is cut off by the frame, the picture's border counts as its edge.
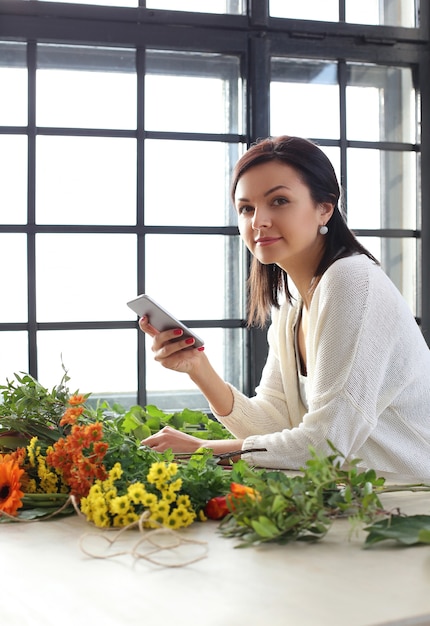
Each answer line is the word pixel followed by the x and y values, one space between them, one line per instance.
pixel 46 579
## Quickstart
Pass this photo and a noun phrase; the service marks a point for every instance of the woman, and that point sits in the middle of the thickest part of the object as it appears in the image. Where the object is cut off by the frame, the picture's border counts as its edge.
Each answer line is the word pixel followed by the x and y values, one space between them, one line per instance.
pixel 347 362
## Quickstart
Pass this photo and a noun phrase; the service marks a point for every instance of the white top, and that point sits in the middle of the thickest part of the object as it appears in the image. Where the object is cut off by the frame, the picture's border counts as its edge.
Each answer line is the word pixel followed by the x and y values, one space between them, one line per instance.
pixel 368 370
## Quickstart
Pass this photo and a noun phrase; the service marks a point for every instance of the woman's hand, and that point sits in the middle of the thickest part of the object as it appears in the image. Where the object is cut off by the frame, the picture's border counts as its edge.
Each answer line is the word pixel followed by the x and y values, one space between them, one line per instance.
pixel 178 441
pixel 170 350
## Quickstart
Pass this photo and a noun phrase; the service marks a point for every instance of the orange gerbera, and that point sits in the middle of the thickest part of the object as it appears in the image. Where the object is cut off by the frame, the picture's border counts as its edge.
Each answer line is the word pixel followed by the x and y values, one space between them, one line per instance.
pixel 10 486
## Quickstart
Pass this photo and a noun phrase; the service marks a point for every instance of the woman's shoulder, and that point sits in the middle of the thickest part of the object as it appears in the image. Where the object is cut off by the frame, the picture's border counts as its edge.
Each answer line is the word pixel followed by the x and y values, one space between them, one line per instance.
pixel 352 272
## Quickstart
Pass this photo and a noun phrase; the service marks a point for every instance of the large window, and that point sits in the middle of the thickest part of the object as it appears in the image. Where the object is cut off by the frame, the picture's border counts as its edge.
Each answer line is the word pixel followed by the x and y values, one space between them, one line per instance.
pixel 120 122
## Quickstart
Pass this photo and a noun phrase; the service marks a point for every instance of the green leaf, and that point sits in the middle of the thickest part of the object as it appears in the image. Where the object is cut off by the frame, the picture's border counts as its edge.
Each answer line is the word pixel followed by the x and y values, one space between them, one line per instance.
pixel 408 530
pixel 265 527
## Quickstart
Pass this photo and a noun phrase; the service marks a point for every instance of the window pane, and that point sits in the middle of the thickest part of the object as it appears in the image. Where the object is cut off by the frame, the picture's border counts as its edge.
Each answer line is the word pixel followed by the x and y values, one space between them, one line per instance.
pixel 13 175
pixel 197 6
pixel 84 277
pixel 382 189
pixel 98 361
pixel 168 389
pixel 13 354
pixel 327 11
pixel 13 84
pixel 304 98
pixel 86 87
pixel 387 97
pixel 381 12
pixel 13 261
pixel 195 276
pixel 398 259
pixel 192 92
pixel 85 180
pixel 187 183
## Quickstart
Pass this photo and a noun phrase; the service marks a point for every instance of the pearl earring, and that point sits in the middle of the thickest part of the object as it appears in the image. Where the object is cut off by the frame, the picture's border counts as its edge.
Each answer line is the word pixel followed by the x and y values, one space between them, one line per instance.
pixel 323 229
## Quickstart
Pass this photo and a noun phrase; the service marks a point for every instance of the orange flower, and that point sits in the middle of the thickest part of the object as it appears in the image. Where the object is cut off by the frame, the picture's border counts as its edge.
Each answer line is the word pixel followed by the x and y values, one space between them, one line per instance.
pixel 10 486
pixel 77 399
pixel 220 506
pixel 71 415
pixel 79 457
pixel 239 491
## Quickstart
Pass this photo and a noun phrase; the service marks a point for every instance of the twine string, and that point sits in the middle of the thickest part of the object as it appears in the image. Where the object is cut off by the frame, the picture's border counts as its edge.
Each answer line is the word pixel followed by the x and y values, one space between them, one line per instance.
pixel 154 538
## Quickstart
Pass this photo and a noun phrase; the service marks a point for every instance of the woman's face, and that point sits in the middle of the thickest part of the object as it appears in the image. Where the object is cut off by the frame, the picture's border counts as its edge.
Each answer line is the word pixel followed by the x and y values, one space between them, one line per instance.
pixel 277 217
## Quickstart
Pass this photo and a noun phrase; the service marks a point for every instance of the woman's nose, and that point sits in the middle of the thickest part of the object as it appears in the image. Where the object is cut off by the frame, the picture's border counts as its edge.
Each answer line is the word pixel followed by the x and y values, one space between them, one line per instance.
pixel 260 219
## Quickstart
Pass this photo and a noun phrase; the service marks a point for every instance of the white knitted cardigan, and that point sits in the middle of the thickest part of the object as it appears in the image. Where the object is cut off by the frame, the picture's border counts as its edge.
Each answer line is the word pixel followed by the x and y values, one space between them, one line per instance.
pixel 368 380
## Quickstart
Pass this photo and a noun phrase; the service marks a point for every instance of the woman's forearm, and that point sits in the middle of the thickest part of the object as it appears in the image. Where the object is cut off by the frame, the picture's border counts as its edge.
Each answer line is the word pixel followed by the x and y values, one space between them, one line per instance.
pixel 213 387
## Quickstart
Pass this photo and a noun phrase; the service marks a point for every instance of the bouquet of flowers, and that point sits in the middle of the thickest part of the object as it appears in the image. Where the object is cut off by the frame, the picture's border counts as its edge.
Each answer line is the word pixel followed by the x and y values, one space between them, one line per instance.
pixel 60 454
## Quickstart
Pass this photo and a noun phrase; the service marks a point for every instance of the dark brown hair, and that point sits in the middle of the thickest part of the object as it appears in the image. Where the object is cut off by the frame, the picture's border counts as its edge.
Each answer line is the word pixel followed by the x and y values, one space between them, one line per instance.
pixel 267 282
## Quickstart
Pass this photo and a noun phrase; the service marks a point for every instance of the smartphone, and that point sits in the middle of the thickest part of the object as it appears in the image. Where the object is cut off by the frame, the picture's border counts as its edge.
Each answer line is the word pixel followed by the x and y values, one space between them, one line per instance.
pixel 161 319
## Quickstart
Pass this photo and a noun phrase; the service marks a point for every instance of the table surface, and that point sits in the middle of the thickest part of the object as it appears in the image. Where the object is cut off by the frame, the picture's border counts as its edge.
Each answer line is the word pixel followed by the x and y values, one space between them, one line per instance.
pixel 46 579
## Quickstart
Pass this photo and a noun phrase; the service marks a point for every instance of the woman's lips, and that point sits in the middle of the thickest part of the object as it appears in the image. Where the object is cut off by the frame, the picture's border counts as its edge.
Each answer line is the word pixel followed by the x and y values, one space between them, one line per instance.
pixel 267 241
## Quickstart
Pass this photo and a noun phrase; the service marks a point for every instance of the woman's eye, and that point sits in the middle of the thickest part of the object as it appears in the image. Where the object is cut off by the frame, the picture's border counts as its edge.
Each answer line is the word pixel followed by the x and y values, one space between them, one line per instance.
pixel 245 209
pixel 279 201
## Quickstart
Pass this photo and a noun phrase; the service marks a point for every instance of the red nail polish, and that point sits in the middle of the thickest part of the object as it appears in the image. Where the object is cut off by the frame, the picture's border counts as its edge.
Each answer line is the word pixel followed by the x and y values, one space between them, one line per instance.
pixel 189 340
pixel 201 348
pixel 177 331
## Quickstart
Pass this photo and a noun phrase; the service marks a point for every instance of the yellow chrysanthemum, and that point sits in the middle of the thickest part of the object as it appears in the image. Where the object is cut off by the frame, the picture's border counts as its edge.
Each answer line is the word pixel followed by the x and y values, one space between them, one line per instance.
pixel 116 472
pixel 101 519
pixel 119 521
pixel 157 473
pixel 168 495
pixel 172 469
pixel 120 505
pixel 149 500
pixel 110 494
pixel 137 493
pixel 183 500
pixel 131 517
pixel 31 451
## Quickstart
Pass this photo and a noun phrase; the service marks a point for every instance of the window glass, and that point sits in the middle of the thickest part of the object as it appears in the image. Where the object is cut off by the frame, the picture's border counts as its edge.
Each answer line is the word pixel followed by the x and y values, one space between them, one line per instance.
pixel 382 189
pixel 13 176
pixel 304 98
pixel 381 12
pixel 13 84
pixel 327 11
pixel 97 361
pixel 398 258
pixel 192 93
pixel 209 6
pixel 387 97
pixel 84 276
pixel 85 180
pixel 13 261
pixel 85 87
pixel 13 354
pixel 197 6
pixel 110 3
pixel 187 183
pixel 195 276
pixel 376 12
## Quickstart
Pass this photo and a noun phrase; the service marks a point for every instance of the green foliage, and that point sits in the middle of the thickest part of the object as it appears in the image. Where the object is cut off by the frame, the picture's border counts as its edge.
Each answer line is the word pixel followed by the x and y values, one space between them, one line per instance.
pixel 28 409
pixel 406 530
pixel 203 478
pixel 144 422
pixel 302 508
